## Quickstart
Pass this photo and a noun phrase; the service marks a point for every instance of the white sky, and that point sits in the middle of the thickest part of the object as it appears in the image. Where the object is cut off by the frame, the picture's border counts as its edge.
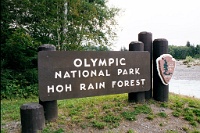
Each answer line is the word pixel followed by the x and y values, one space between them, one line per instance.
pixel 178 21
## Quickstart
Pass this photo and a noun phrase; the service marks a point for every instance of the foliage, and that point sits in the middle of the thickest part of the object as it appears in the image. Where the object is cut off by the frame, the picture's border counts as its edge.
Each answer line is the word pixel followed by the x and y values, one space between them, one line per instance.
pixel 181 52
pixel 19 52
pixel 68 24
pixel 188 60
pixel 89 23
pixel 18 67
pixel 96 48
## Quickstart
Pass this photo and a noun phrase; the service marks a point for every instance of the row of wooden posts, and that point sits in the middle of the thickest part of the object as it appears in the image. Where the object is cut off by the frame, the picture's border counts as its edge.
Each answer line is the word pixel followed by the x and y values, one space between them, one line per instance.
pixel 34 115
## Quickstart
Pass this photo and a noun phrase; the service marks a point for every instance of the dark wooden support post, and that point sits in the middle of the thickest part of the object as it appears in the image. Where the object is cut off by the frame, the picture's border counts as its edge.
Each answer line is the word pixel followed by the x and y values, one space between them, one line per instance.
pixel 136 96
pixel 160 91
pixel 32 117
pixel 146 38
pixel 50 107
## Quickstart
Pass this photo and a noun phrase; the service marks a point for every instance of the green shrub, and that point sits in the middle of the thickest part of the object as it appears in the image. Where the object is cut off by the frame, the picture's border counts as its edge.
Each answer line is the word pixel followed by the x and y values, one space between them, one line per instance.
pixel 18 84
pixel 13 90
pixel 188 60
pixel 19 66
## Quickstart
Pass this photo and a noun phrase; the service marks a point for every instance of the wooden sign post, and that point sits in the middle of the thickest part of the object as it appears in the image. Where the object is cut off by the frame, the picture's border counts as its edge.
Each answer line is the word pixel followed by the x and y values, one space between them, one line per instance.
pixel 146 38
pixel 50 107
pixel 160 91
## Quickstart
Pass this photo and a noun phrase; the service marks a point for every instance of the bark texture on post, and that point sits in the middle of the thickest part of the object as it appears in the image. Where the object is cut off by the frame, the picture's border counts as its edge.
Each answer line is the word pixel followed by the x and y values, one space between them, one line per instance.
pixel 160 91
pixel 146 38
pixel 136 96
pixel 50 107
pixel 32 117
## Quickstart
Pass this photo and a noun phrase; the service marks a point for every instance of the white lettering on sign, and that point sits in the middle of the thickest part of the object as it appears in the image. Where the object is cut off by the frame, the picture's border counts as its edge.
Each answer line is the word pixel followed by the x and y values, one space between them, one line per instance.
pixel 95 62
pixel 91 86
pixel 80 74
pixel 85 73
pixel 77 63
pixel 102 62
pixel 99 62
pixel 59 88
pixel 126 83
pixel 97 73
pixel 129 71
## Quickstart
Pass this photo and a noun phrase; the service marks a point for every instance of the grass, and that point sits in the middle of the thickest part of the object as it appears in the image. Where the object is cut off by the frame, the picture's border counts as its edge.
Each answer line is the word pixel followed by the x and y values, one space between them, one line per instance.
pixel 106 112
pixel 10 109
pixel 131 115
pixel 186 107
pixel 162 114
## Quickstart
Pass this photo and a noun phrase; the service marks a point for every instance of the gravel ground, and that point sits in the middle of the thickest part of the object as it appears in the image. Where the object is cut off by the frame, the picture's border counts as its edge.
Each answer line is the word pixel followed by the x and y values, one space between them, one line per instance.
pixel 187 72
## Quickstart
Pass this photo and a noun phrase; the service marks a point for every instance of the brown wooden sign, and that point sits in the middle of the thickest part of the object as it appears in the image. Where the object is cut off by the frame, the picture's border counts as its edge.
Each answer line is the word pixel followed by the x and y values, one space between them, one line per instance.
pixel 165 66
pixel 73 74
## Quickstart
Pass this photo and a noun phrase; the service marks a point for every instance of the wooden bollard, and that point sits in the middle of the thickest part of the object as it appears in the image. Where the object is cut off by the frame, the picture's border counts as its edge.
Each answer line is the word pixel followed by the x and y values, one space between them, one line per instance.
pixel 160 91
pixel 50 110
pixel 32 117
pixel 50 107
pixel 146 38
pixel 136 96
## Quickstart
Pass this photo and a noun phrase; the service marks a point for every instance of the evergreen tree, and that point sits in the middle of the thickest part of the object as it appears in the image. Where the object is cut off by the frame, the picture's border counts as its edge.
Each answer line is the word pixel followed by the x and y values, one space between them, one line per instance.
pixel 188 44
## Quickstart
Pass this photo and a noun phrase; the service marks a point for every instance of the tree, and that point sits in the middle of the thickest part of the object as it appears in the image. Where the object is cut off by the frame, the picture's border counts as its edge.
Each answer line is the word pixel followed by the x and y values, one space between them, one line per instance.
pixel 92 20
pixel 181 52
pixel 19 52
pixel 188 44
pixel 68 24
pixel 96 48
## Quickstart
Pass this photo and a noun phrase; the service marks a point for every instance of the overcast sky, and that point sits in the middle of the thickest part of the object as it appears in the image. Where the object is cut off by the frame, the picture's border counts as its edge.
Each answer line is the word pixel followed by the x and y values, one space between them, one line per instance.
pixel 178 21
